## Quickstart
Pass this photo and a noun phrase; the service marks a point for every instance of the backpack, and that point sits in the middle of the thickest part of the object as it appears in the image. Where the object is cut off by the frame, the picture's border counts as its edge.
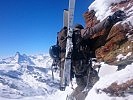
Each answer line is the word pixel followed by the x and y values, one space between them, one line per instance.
pixel 54 52
pixel 81 58
pixel 62 38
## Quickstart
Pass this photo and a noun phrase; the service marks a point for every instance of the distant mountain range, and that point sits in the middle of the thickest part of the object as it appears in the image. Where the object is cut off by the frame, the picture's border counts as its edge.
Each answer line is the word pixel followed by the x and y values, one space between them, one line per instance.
pixel 23 75
pixel 37 60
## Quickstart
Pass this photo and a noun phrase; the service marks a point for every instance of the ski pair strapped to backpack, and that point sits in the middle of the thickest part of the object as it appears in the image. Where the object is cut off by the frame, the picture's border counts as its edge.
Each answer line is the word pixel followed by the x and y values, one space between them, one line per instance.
pixel 68 21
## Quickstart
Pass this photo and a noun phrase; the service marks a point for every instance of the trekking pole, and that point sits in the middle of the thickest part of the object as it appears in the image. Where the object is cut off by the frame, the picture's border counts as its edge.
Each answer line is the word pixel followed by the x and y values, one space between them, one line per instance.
pixel 88 76
pixel 53 67
pixel 52 72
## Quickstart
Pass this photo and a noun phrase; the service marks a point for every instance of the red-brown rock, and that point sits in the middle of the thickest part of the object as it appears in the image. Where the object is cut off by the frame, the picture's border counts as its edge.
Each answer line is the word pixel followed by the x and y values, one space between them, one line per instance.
pixel 109 43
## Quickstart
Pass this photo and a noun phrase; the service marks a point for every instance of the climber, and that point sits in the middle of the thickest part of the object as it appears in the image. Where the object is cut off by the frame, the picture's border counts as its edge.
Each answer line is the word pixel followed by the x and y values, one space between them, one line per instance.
pixel 85 75
pixel 82 54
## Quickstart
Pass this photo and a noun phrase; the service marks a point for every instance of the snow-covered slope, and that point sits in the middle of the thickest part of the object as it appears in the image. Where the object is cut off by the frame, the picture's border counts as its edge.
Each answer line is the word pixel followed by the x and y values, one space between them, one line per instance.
pixel 103 9
pixel 33 83
pixel 122 76
pixel 22 76
pixel 25 82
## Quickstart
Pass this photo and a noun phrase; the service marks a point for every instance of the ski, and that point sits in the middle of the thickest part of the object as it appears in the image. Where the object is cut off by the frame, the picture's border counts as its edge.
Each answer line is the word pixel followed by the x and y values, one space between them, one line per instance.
pixel 69 46
pixel 65 24
pixel 65 18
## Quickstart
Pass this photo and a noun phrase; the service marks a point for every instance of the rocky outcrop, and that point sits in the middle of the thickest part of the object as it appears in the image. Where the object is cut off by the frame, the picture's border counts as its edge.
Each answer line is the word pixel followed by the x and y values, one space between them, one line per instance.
pixel 116 89
pixel 111 42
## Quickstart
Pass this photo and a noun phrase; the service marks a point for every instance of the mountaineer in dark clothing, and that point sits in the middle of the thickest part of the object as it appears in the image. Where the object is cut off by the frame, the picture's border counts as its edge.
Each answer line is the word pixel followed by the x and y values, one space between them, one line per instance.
pixel 81 55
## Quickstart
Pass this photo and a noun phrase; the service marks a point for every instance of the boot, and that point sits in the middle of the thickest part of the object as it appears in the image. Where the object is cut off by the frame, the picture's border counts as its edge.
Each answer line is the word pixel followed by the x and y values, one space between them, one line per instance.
pixel 70 97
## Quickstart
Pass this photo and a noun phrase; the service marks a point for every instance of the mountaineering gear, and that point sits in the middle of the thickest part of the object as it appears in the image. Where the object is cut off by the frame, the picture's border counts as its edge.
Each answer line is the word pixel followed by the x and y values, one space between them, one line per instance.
pixel 62 43
pixel 54 67
pixel 54 52
pixel 69 46
pixel 117 16
pixel 65 18
pixel 62 38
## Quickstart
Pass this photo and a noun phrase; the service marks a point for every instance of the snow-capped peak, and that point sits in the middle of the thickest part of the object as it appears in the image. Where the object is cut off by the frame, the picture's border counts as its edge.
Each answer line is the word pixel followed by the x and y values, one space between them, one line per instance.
pixel 17 56
pixel 23 59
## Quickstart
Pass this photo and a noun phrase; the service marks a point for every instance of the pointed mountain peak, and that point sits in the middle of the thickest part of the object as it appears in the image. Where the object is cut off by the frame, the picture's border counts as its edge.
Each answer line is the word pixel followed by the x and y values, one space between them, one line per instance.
pixel 17 54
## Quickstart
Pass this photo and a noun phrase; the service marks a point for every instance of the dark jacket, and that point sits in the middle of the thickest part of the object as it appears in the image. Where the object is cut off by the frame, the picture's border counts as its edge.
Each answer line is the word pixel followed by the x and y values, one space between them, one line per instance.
pixel 82 46
pixel 86 33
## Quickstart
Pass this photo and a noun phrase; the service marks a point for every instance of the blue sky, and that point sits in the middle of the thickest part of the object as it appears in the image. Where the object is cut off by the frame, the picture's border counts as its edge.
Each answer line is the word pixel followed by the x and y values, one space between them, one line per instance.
pixel 31 26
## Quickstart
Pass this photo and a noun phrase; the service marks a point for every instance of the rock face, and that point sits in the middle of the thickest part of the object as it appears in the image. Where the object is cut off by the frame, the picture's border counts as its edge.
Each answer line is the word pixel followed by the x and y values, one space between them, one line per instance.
pixel 109 43
pixel 116 89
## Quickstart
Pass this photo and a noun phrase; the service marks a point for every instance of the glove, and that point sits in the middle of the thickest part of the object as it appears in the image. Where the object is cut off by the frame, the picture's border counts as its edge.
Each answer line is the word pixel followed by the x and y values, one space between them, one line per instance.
pixel 117 16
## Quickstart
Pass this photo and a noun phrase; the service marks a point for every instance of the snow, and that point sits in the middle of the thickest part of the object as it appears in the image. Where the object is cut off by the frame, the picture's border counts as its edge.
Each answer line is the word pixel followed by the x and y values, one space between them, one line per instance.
pixel 130 14
pixel 130 20
pixel 41 60
pixel 108 74
pixel 107 69
pixel 20 81
pixel 119 77
pixel 102 7
pixel 122 57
